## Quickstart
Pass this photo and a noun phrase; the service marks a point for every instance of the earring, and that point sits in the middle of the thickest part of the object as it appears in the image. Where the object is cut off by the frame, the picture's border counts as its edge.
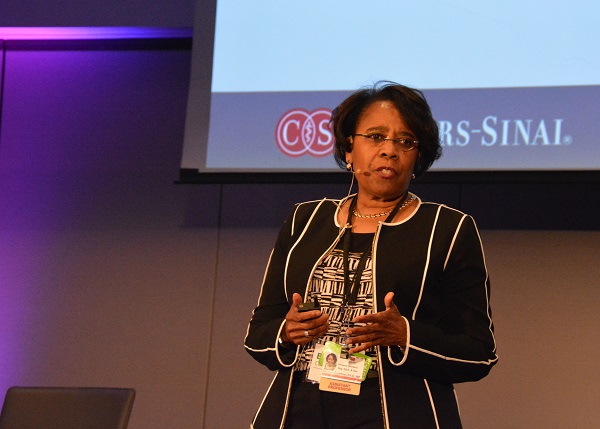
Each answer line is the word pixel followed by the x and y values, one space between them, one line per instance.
pixel 349 166
pixel 413 176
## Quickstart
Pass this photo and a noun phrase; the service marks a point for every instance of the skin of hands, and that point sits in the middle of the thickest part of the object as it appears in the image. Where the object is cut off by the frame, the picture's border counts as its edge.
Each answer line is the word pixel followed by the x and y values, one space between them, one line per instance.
pixel 386 328
pixel 296 323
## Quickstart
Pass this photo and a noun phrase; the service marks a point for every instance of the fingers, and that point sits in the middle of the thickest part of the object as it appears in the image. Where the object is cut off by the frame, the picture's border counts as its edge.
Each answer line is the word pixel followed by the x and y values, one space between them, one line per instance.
pixel 303 327
pixel 367 335
pixel 366 338
pixel 361 348
pixel 295 315
pixel 388 300
pixel 296 300
pixel 380 329
pixel 317 331
pixel 382 316
pixel 303 333
pixel 387 333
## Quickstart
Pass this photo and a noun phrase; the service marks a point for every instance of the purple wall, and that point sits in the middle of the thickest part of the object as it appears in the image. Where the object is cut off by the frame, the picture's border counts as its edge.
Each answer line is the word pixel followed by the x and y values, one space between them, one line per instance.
pixel 99 275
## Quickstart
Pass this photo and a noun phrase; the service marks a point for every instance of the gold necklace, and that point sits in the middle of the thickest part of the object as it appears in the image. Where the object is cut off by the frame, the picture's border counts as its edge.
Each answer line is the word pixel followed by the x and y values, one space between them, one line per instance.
pixel 364 216
pixel 356 213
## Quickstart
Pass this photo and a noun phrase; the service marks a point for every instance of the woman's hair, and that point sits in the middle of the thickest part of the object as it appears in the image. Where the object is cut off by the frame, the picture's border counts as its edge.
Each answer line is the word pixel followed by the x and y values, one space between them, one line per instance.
pixel 334 357
pixel 413 108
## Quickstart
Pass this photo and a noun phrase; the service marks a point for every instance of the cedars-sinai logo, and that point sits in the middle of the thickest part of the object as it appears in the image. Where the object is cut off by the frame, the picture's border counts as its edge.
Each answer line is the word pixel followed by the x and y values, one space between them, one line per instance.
pixel 301 132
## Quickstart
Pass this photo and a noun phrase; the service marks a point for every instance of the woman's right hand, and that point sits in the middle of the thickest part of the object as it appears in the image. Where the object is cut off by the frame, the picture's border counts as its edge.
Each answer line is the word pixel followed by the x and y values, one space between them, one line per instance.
pixel 303 327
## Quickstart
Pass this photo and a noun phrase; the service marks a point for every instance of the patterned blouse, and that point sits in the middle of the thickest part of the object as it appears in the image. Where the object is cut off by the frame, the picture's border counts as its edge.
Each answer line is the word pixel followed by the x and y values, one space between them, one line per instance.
pixel 327 285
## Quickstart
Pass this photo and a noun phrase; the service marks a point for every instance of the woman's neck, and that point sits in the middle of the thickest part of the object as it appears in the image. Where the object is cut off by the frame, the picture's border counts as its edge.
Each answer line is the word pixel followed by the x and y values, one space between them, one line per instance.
pixel 374 205
pixel 365 220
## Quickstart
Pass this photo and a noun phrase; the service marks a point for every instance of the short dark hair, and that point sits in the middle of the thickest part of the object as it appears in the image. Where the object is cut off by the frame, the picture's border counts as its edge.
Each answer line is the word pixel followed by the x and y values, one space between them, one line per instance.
pixel 411 104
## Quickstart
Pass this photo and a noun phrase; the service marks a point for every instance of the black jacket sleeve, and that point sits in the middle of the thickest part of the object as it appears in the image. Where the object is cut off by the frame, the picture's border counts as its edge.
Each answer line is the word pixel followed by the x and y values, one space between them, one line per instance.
pixel 461 345
pixel 268 317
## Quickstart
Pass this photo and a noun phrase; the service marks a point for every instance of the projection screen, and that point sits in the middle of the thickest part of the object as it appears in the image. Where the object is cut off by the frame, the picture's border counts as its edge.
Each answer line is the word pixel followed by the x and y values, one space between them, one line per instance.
pixel 513 85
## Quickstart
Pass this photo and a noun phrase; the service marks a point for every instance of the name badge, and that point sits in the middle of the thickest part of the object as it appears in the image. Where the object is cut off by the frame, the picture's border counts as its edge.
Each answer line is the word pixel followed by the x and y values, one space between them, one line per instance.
pixel 342 374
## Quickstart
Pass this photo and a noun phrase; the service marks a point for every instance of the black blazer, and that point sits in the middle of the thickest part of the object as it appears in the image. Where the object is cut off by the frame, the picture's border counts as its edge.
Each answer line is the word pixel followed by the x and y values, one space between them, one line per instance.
pixel 434 263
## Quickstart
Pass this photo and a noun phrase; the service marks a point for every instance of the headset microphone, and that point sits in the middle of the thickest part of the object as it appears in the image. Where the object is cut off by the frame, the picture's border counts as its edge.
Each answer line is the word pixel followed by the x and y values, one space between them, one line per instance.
pixel 359 171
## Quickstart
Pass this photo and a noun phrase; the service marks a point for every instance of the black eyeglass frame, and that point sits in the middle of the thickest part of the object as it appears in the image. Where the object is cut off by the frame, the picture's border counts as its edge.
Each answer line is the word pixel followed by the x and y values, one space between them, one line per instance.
pixel 377 139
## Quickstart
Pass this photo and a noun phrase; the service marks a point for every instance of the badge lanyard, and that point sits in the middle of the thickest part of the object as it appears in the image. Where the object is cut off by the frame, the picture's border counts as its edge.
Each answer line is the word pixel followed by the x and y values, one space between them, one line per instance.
pixel 351 287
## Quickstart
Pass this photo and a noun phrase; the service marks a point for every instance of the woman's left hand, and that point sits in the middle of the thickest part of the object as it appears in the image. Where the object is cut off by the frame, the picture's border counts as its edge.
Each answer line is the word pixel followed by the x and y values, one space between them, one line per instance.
pixel 386 328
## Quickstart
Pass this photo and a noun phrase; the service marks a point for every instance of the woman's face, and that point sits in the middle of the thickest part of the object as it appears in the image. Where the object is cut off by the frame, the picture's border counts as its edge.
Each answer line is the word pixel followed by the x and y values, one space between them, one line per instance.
pixel 383 170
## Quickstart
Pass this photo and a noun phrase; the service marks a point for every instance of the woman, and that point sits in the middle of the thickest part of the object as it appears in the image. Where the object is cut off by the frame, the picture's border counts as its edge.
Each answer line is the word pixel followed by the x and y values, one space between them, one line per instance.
pixel 330 361
pixel 398 280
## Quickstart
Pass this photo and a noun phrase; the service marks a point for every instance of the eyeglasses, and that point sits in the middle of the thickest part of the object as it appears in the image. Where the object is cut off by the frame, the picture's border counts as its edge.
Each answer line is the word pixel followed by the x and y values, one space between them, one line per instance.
pixel 403 144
